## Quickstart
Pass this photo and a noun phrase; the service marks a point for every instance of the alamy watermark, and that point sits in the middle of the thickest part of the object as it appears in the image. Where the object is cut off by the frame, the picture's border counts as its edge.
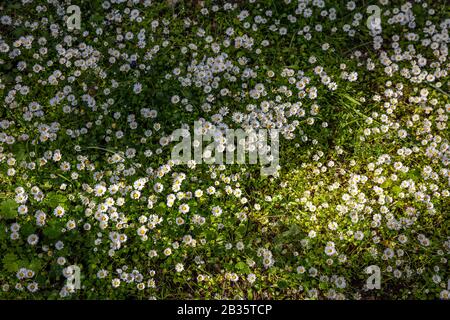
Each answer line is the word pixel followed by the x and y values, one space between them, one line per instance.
pixel 374 281
pixel 249 146
pixel 374 20
pixel 73 276
pixel 74 20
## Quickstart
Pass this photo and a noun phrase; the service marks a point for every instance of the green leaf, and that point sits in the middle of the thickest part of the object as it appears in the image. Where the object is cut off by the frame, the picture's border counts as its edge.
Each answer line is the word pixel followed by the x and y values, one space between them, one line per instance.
pixel 3 235
pixel 294 230
pixel 8 209
pixel 28 229
pixel 353 100
pixel 52 231
pixel 396 190
pixel 211 235
pixel 282 284
pixel 242 267
pixel 35 265
pixel 241 230
pixel 47 185
pixel 14 6
pixel 19 152
pixel 10 262
pixel 54 199
pixel 160 208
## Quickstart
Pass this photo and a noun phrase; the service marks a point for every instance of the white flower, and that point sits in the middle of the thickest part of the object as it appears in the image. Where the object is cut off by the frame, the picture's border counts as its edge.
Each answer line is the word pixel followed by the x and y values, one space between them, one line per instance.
pixel 32 239
pixel 137 88
pixel 329 250
pixel 59 211
pixel 179 267
pixel 216 211
pixel 184 208
pixel 340 283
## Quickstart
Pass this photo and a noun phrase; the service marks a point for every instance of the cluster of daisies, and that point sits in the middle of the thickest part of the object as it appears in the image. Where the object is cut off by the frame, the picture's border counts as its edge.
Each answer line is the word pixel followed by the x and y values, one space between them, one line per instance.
pixel 90 194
